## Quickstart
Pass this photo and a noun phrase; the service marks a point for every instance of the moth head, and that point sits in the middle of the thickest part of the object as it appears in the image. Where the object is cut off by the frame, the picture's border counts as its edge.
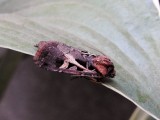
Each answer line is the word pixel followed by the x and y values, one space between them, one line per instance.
pixel 104 66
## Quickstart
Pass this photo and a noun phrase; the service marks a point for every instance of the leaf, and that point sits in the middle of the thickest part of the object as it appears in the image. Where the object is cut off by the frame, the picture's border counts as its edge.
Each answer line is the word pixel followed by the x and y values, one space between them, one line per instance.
pixel 127 31
pixel 139 114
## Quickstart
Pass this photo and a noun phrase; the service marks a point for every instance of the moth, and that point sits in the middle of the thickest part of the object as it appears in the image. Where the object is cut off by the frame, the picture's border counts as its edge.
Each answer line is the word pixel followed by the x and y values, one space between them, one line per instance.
pixel 59 57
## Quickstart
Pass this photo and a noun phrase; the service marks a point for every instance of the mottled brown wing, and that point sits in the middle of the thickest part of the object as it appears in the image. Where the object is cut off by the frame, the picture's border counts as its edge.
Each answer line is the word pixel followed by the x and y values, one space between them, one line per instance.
pixel 49 57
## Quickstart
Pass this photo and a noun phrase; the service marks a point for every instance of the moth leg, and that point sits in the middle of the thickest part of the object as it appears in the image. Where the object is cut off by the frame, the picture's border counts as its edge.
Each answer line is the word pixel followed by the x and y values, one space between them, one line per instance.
pixel 65 64
pixel 72 60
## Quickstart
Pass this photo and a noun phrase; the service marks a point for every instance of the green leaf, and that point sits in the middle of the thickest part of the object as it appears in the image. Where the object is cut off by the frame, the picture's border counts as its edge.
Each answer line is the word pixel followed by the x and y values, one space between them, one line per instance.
pixel 128 31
